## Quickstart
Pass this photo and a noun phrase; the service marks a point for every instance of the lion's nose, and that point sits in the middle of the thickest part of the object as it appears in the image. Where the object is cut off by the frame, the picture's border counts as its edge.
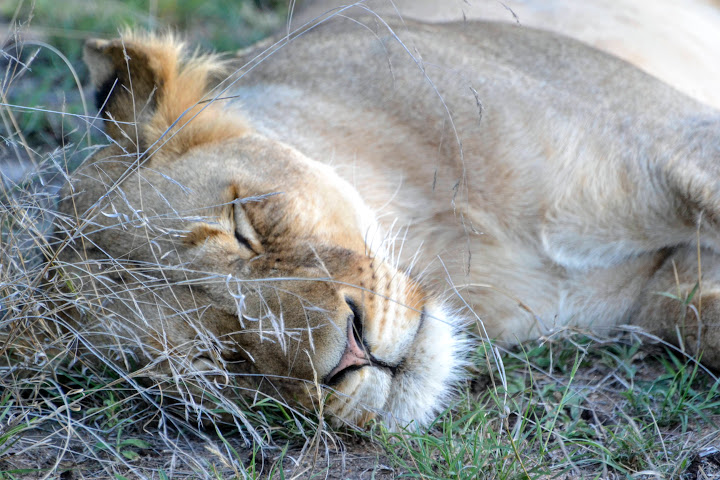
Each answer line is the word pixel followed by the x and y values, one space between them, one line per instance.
pixel 354 356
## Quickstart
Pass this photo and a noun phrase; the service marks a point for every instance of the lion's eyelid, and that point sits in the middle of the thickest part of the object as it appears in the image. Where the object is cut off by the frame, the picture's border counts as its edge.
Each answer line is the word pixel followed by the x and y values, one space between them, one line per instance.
pixel 244 232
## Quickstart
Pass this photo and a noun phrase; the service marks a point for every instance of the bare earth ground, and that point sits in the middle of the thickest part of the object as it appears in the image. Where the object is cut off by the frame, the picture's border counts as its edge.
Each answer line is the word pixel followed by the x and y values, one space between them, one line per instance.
pixel 37 454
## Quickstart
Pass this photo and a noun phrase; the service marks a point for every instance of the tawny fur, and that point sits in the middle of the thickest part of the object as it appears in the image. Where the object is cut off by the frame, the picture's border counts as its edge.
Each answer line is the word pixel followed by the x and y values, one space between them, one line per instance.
pixel 176 83
pixel 675 41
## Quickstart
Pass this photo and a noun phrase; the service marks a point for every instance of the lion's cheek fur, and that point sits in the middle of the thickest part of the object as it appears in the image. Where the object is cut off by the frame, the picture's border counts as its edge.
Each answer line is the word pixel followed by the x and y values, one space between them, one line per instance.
pixel 426 380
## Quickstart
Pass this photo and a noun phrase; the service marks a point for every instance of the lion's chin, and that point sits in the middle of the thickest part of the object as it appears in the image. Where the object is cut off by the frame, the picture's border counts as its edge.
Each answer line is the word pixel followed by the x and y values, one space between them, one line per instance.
pixel 360 397
pixel 419 389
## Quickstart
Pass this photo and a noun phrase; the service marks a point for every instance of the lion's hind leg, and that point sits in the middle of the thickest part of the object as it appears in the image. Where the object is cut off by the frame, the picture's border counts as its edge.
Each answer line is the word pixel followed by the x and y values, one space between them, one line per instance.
pixel 681 303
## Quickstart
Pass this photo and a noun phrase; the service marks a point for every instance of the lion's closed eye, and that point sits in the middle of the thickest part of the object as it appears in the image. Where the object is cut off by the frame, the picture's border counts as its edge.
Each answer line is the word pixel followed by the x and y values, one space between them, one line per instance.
pixel 245 234
pixel 234 222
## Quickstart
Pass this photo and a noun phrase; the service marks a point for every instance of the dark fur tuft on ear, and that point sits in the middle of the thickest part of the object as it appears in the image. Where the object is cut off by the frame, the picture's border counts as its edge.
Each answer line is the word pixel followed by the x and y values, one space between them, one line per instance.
pixel 145 83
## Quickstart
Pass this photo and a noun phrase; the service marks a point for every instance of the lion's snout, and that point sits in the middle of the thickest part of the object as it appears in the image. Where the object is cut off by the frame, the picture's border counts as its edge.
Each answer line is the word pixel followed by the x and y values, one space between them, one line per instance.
pixel 355 355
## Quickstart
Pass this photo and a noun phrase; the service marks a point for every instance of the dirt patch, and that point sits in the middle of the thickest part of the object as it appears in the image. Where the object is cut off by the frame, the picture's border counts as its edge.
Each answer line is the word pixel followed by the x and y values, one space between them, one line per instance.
pixel 39 455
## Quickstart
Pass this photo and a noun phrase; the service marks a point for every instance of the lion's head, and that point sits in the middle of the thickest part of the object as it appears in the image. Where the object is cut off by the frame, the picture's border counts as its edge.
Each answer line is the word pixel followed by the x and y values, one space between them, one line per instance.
pixel 210 248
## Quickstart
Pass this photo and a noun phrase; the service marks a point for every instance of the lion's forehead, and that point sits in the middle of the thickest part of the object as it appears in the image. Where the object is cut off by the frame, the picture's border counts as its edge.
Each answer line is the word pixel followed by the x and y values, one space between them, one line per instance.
pixel 284 193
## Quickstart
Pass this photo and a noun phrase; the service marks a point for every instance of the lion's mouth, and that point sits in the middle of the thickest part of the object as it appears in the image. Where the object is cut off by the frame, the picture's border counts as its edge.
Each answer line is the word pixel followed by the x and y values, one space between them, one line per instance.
pixel 357 355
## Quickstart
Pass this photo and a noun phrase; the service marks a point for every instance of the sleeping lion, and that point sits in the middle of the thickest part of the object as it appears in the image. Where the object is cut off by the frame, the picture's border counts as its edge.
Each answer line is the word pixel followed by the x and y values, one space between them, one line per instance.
pixel 324 219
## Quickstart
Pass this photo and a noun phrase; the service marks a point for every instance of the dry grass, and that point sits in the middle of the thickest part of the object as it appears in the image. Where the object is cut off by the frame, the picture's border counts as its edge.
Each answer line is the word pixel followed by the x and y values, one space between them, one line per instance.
pixel 66 405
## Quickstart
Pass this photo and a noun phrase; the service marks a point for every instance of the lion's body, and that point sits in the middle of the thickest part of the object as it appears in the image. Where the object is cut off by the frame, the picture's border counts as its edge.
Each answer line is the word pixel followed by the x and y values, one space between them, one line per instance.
pixel 552 184
pixel 676 42
pixel 531 201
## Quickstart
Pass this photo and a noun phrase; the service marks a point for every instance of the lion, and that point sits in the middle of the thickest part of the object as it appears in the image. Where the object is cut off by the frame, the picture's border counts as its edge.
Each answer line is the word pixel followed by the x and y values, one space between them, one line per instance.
pixel 324 218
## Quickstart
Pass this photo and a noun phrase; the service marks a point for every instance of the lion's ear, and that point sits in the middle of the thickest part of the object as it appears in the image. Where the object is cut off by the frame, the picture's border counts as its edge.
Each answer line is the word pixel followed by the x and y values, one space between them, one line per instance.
pixel 150 91
pixel 129 77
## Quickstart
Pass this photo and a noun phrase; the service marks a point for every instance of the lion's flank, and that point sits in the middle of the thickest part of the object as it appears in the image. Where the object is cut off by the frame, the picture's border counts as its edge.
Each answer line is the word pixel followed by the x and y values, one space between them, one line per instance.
pixel 159 98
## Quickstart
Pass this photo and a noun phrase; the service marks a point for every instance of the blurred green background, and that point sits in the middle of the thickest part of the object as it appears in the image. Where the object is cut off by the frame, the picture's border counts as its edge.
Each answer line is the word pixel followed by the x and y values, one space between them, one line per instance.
pixel 42 78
